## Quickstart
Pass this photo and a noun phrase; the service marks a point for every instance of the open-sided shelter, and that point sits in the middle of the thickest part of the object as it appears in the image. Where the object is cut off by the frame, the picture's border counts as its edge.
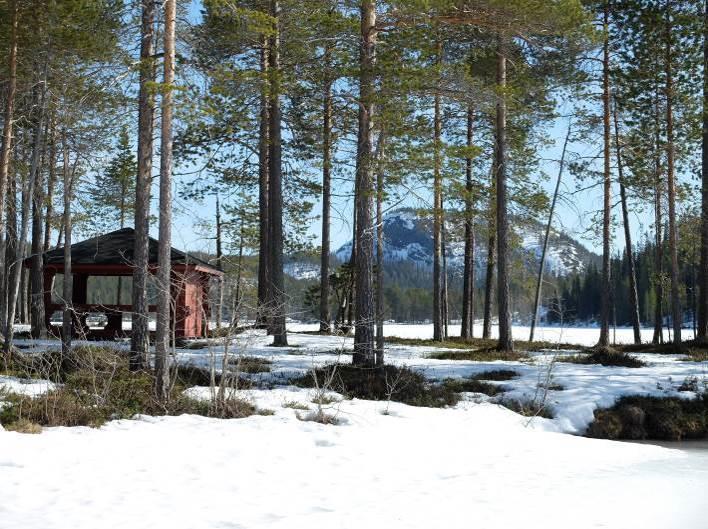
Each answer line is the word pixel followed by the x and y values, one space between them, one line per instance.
pixel 112 255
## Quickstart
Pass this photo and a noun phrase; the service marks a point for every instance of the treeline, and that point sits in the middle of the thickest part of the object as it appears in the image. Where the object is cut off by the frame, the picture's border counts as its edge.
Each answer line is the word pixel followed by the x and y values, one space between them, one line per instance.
pixel 267 107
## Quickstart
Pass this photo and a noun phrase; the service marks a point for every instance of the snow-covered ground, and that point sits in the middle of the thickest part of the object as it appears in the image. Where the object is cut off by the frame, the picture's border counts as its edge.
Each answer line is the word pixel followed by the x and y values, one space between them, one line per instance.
pixel 576 335
pixel 476 464
pixel 471 466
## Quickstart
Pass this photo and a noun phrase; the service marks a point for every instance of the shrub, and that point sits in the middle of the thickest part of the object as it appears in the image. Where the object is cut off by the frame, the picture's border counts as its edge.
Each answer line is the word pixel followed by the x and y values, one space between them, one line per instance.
pixel 388 382
pixel 605 357
pixel 250 364
pixel 496 374
pixel 471 385
pixel 528 408
pixel 295 405
pixel 661 418
pixel 481 355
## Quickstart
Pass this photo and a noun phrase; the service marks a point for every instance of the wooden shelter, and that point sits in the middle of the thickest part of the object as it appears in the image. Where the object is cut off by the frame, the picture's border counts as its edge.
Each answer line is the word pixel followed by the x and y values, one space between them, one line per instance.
pixel 112 255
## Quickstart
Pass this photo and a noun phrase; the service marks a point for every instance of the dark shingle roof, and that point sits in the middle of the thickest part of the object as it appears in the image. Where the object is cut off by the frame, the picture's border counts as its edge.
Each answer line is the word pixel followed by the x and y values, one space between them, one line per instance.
pixel 116 248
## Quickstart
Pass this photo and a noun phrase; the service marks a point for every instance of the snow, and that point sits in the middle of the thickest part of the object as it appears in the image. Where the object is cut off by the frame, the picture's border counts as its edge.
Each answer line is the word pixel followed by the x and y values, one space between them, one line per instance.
pixel 477 464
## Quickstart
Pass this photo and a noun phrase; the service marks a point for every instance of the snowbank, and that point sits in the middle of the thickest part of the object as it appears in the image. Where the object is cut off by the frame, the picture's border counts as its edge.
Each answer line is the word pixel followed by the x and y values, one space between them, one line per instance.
pixel 476 465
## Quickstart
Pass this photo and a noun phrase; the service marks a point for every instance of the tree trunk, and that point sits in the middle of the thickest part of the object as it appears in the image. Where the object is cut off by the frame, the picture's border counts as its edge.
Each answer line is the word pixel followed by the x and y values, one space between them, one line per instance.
pixel 13 287
pixel 365 311
pixel 219 265
pixel 68 283
pixel 164 252
pixel 445 300
pixel 438 330
pixel 275 197
pixel 633 295
pixel 37 325
pixel 264 251
pixel 505 339
pixel 468 275
pixel 326 206
pixel 140 336
pixel 605 308
pixel 671 184
pixel 491 262
pixel 6 146
pixel 542 265
pixel 52 178
pixel 703 272
pixel 658 336
pixel 380 183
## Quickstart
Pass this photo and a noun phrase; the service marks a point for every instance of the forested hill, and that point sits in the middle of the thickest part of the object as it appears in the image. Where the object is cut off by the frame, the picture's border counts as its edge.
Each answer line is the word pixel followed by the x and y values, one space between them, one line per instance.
pixel 408 239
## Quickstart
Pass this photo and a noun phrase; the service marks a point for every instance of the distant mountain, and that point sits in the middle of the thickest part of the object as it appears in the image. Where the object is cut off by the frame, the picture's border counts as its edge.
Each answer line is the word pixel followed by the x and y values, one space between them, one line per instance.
pixel 408 238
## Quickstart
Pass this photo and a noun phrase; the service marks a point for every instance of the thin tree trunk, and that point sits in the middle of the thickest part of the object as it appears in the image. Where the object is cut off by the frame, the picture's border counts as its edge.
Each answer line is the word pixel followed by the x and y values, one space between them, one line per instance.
pixel 365 310
pixel 326 197
pixel 491 262
pixel 140 335
pixel 6 146
pixel 673 229
pixel 275 201
pixel 605 308
pixel 38 328
pixel 445 300
pixel 51 183
pixel 164 252
pixel 542 264
pixel 438 330
pixel 505 339
pixel 468 275
pixel 703 271
pixel 658 336
pixel 633 295
pixel 219 265
pixel 68 283
pixel 380 182
pixel 264 251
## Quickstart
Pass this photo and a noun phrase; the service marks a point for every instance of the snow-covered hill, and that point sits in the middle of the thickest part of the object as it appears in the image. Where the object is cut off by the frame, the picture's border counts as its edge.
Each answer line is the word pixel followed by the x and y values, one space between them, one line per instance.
pixel 408 238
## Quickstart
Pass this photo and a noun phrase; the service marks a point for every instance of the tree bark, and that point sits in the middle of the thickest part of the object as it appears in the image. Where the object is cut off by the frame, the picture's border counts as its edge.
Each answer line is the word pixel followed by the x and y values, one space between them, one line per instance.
pixel 140 337
pixel 6 146
pixel 37 326
pixel 438 330
pixel 702 331
pixel 365 312
pixel 505 339
pixel 264 251
pixel 468 275
pixel 633 295
pixel 52 178
pixel 380 183
pixel 491 260
pixel 671 184
pixel 219 265
pixel 326 197
pixel 275 197
pixel 68 283
pixel 164 254
pixel 605 300
pixel 542 264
